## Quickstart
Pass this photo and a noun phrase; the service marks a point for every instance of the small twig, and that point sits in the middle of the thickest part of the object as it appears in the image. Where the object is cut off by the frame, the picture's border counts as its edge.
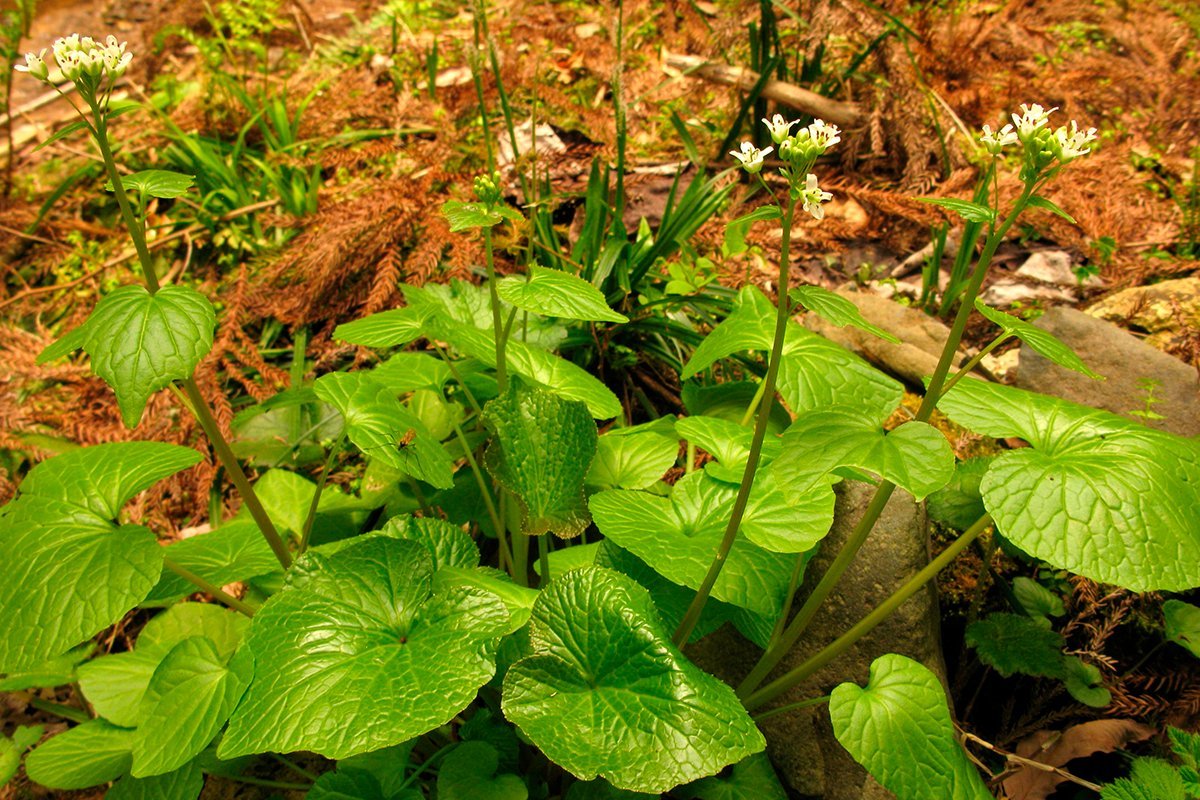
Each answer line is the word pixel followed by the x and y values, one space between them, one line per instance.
pixel 1025 762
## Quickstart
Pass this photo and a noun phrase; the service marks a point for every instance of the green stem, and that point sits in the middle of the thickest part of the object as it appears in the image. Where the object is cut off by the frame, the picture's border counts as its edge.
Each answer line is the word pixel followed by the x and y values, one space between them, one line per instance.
pixel 269 784
pixel 884 610
pixel 497 324
pixel 229 461
pixel 209 588
pixel 883 493
pixel 486 494
pixel 966 368
pixel 296 768
pixel 754 402
pixel 419 771
pixel 544 558
pixel 60 710
pixel 692 616
pixel 311 517
pixel 793 585
pixel 458 378
pixel 815 701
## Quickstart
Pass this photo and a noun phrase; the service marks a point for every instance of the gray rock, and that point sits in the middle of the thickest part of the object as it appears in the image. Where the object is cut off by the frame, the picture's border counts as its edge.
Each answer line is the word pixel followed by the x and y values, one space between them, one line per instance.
pixel 801 743
pixel 1048 266
pixel 1006 291
pixel 1123 360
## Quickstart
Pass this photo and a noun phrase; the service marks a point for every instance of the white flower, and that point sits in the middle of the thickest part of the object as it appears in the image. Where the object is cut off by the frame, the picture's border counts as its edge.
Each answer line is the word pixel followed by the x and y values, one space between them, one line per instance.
pixel 35 65
pixel 779 127
pixel 1032 117
pixel 995 141
pixel 813 197
pixel 1074 143
pixel 823 135
pixel 751 157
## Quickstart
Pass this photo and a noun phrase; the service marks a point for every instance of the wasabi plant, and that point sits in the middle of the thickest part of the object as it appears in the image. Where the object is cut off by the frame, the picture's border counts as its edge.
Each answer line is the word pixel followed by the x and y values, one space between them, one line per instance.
pixel 402 629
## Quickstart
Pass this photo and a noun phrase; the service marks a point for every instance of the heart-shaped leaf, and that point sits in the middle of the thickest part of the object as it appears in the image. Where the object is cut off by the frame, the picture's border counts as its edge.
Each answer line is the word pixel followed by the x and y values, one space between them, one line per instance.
pixel 156 183
pixel 185 783
pixel 899 729
pixel 236 551
pixel 59 543
pixel 606 693
pixel 379 425
pixel 541 449
pixel 358 652
pixel 469 773
pixel 633 458
pixel 728 442
pixel 391 328
pixel 752 777
pixel 449 545
pixel 555 293
pixel 141 342
pixel 465 216
pixel 836 310
pixel 86 755
pixel 1096 494
pixel 813 371
pixel 959 503
pixel 1042 342
pixel 914 456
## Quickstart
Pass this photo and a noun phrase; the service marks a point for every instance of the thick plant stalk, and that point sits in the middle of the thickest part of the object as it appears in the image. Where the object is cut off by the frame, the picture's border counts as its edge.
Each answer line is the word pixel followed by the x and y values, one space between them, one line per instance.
pixel 692 615
pixel 204 586
pixel 131 223
pixel 497 324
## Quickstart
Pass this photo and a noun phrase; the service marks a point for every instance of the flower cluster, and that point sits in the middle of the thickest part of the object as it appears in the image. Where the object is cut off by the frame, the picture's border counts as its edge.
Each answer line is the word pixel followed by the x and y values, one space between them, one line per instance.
pixel 82 61
pixel 799 152
pixel 487 189
pixel 1041 146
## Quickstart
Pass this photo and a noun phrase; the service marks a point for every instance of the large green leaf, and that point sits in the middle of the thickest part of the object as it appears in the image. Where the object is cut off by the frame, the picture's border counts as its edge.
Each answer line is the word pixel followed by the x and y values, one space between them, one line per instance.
pixel 156 183
pixel 70 569
pixel 541 449
pixel 813 372
pixel 469 773
pixel 190 696
pixel 555 293
pixel 633 458
pixel 1150 779
pixel 357 652
pixel 728 442
pixel 678 535
pixel 185 783
pixel 959 503
pixel 382 427
pixel 449 545
pixel 914 456
pixel 606 693
pixel 753 777
pixel 407 372
pixel 57 671
pixel 1099 495
pixel 836 310
pixel 1182 625
pixel 899 729
pixel 141 342
pixel 86 755
pixel 236 551
pixel 386 329
pixel 1042 342
pixel 346 784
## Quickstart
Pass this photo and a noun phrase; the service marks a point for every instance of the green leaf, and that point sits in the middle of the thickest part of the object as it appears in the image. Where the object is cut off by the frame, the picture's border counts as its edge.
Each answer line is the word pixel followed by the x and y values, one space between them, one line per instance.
pixel 392 328
pixel 632 458
pixel 62 133
pixel 236 551
pixel 915 456
pixel 141 342
pixel 678 535
pixel 407 372
pixel 379 425
pixel 971 212
pixel 155 183
pixel 836 310
pixel 1042 342
pixel 1182 625
pixel 518 599
pixel 899 729
pixel 736 230
pixel 469 773
pixel 346 784
pixel 606 693
pixel 185 783
pixel 1150 779
pixel 1014 644
pixel 449 545
pixel 12 748
pixel 813 371
pixel 86 755
pixel 541 449
pixel 555 293
pixel 752 777
pixel 57 671
pixel 59 543
pixel 357 652
pixel 389 766
pixel 1037 201
pixel 728 442
pixel 569 558
pixel 1036 600
pixel 1185 745
pixel 465 216
pixel 1096 494
pixel 187 702
pixel 960 502
pixel 1085 683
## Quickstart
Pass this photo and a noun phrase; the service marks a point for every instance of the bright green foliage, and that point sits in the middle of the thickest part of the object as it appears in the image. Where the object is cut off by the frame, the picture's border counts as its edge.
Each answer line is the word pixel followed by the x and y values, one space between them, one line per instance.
pixel 236 551
pixel 1183 625
pixel 606 693
pixel 971 212
pixel 677 536
pixel 492 728
pixel 392 328
pixel 141 342
pixel 1036 600
pixel 1099 495
pixel 836 310
pixel 464 216
pixel 156 183
pixel 555 293
pixel 86 755
pixel 959 503
pixel 358 652
pixel 57 671
pixel 914 456
pixel 185 783
pixel 517 599
pixel 1187 747
pixel 286 497
pixel 190 696
pixel 1015 644
pixel 388 765
pixel 449 545
pixel 1085 683
pixel 13 747
pixel 379 425
pixel 727 442
pixel 541 449
pixel 753 777
pixel 59 542
pixel 1150 779
pixel 1045 344
pixel 633 458
pixel 813 372
pixel 346 784
pixel 899 729
pixel 407 372
pixel 469 773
